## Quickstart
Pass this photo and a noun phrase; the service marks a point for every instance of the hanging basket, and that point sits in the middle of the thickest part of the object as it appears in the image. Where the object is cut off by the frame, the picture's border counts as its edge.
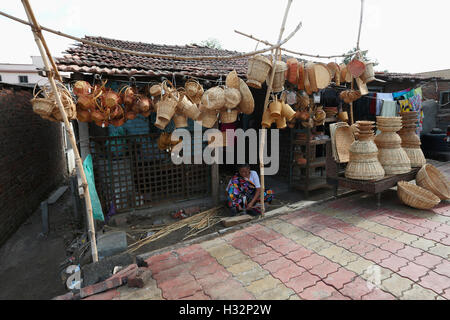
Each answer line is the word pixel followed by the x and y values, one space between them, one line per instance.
pixel 189 109
pixel 247 104
pixel 287 112
pixel 228 115
pixel 232 98
pixel 430 178
pixel 207 118
pixel 275 109
pixel 416 196
pixel 213 99
pixel 279 76
pixel 194 91
pixel 258 69
pixel 161 123
pixel 180 120
pixel 42 106
pixel 267 119
pixel 232 80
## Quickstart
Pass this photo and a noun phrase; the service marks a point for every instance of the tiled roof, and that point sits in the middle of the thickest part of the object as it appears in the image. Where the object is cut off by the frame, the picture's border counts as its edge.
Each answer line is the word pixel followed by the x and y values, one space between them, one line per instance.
pixel 396 75
pixel 89 59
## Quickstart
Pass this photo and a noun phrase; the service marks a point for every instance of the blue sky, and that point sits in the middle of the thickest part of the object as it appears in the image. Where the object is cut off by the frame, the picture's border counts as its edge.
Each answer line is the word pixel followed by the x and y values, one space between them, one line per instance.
pixel 403 36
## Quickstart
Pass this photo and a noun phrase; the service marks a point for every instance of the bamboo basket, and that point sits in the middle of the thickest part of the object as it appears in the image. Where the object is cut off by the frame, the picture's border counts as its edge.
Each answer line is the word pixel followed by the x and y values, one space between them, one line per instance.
pixel 232 80
pixel 207 118
pixel 161 123
pixel 42 106
pixel 394 161
pixel 281 122
pixel 368 74
pixel 388 140
pixel 367 170
pixel 280 76
pixel 189 109
pixel 67 101
pixel 416 196
pixel 180 120
pixel 416 157
pixel 232 98
pixel 258 69
pixel 247 104
pixel 228 115
pixel 155 90
pixel 287 111
pixel 166 108
pixel 213 99
pixel 344 139
pixel 194 91
pixel 430 178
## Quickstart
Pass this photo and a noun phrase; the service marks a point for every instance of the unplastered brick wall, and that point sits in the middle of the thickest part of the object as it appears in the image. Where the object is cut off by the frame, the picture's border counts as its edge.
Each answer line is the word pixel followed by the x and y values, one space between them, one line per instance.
pixel 32 161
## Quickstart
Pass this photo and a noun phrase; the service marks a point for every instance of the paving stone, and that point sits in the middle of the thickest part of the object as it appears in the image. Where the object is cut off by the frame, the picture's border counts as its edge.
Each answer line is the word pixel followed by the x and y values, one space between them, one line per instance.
pixel 394 263
pixel 197 296
pixel 409 253
pixel 331 252
pixel 318 291
pixel 305 280
pixel 436 282
pixel 222 251
pixel 243 266
pixel 355 289
pixel 375 274
pixel 311 261
pixel 366 224
pixel 258 287
pixel 339 278
pixel 396 285
pixel 319 245
pixel 280 263
pixel 440 250
pixel 407 238
pixel 299 254
pixel 294 297
pixel 392 246
pixel 413 271
pixel 418 293
pixel 229 290
pixel 378 294
pixel 362 248
pixel 264 258
pixel 280 292
pixel 231 260
pixel 246 278
pixel 359 266
pixel 345 258
pixel 213 243
pixel 324 269
pixel 443 268
pixel 377 255
pixel 428 260
pixel 423 244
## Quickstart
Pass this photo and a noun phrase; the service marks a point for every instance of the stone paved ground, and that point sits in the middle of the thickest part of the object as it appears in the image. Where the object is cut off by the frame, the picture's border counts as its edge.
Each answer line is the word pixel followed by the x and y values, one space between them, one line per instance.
pixel 342 249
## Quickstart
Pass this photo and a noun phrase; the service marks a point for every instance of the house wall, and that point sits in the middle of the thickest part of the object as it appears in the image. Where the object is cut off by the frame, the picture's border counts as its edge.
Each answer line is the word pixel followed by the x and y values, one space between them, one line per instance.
pixel 32 160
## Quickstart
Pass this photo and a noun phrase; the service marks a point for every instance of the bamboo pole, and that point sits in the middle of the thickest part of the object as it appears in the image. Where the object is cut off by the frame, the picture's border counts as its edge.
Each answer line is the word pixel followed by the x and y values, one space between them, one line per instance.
pixel 351 106
pixel 50 74
pixel 266 102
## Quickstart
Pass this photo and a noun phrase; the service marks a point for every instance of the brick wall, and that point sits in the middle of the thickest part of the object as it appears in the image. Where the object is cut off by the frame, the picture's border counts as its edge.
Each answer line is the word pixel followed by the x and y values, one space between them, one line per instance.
pixel 32 161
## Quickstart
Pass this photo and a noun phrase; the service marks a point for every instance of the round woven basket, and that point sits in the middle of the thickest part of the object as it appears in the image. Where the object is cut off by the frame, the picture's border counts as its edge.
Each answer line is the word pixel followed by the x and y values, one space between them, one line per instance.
pixel 416 196
pixel 430 178
pixel 388 140
pixel 258 69
pixel 364 170
pixel 213 98
pixel 155 90
pixel 279 77
pixel 228 115
pixel 247 104
pixel 232 98
pixel 394 161
pixel 194 91
pixel 232 80
pixel 416 157
pixel 166 108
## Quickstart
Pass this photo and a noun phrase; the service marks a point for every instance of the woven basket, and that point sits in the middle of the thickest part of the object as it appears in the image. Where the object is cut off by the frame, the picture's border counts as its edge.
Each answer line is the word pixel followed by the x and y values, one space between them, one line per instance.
pixel 247 104
pixel 43 106
pixel 430 178
pixel 416 157
pixel 189 109
pixel 68 103
pixel 279 77
pixel 281 122
pixel 207 118
pixel 394 161
pixel 161 123
pixel 180 120
pixel 344 138
pixel 275 109
pixel 232 80
pixel 368 74
pixel 258 69
pixel 232 98
pixel 368 170
pixel 194 91
pixel 267 119
pixel 155 90
pixel 388 140
pixel 213 99
pixel 166 108
pixel 228 115
pixel 416 196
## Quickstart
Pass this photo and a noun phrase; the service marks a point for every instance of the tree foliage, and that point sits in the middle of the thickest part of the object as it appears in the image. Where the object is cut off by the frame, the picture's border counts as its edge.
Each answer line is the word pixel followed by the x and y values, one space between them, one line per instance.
pixel 364 56
pixel 211 43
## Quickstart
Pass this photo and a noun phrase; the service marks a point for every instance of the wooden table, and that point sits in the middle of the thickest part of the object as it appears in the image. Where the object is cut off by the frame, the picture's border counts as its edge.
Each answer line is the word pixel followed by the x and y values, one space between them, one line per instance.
pixel 336 177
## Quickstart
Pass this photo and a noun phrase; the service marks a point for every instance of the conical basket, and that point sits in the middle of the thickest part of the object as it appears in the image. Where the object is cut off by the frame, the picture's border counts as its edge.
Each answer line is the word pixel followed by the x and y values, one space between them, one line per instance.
pixel 247 104
pixel 363 161
pixel 416 157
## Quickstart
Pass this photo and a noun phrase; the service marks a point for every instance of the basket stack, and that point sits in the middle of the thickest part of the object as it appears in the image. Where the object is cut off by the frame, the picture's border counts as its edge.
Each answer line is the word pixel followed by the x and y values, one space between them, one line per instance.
pixel 363 163
pixel 390 152
pixel 410 140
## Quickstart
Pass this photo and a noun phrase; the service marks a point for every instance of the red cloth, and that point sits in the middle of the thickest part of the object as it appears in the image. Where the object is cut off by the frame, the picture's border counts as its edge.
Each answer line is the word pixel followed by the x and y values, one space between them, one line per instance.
pixel 373 104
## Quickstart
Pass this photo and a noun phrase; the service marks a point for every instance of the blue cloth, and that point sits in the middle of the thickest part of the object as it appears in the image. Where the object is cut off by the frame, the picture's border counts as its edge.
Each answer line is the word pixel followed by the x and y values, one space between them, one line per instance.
pixel 95 201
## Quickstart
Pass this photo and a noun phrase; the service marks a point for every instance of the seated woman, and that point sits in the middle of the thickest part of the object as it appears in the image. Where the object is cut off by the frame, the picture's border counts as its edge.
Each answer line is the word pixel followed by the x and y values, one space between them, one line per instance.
pixel 243 192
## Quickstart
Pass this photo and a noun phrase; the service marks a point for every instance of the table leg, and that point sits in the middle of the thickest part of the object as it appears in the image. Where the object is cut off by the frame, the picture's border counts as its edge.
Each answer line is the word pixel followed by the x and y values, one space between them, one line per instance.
pixel 336 190
pixel 378 199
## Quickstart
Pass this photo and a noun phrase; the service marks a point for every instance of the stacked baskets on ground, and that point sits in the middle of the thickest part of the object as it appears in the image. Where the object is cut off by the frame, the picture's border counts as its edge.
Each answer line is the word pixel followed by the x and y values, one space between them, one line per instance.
pixel 410 140
pixel 363 163
pixel 390 152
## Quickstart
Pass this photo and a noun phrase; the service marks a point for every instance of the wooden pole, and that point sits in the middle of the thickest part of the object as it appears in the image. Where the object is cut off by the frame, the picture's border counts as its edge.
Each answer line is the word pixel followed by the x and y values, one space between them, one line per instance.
pixel 351 106
pixel 50 74
pixel 266 102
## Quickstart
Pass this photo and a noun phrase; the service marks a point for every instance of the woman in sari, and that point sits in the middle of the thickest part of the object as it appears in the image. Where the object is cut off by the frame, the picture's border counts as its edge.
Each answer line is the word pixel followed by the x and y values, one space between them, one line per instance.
pixel 243 192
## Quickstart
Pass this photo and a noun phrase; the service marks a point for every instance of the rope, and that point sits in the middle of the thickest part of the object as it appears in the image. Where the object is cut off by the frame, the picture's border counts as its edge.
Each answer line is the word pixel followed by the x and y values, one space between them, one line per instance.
pixel 152 55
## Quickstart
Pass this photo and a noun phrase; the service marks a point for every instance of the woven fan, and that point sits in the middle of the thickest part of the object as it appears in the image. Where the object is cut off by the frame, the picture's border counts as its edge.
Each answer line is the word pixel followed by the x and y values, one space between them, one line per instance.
pixel 344 139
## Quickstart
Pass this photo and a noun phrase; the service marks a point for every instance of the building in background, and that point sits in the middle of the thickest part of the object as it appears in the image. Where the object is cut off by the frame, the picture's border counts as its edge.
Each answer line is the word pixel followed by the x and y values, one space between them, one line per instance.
pixel 23 74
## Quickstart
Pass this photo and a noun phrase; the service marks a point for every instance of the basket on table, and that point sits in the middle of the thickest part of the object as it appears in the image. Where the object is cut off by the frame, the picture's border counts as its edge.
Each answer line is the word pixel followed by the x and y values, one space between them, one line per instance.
pixel 430 178
pixel 416 196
